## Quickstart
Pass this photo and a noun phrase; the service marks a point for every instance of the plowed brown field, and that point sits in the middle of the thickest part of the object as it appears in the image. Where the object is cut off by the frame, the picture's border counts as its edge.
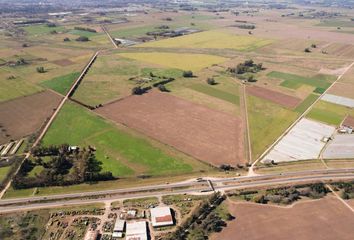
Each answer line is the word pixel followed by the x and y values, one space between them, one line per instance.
pixel 25 115
pixel 324 219
pixel 273 96
pixel 209 135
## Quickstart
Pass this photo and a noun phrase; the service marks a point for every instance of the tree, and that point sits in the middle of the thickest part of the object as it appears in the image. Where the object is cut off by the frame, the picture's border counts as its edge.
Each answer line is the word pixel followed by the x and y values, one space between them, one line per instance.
pixel 251 79
pixel 51 25
pixel 82 39
pixel 313 45
pixel 40 70
pixel 138 91
pixel 66 39
pixel 307 50
pixel 162 88
pixel 188 74
pixel 211 81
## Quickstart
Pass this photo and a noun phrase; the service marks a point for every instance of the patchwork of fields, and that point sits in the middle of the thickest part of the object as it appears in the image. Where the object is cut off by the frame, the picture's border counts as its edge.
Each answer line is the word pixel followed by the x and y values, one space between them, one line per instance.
pixel 122 152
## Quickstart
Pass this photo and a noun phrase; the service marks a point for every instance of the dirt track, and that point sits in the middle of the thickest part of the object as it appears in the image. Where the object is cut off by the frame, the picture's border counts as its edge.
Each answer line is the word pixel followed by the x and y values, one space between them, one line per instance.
pixel 324 219
pixel 212 136
pixel 25 115
pixel 273 96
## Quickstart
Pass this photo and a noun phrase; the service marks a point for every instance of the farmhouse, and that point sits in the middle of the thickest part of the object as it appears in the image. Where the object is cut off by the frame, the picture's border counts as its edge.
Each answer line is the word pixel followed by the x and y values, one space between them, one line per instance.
pixel 136 231
pixel 161 216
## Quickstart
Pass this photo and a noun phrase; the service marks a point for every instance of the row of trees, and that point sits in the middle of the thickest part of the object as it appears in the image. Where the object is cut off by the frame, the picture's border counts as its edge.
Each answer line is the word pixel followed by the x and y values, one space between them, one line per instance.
pixel 284 195
pixel 202 222
pixel 65 167
pixel 246 67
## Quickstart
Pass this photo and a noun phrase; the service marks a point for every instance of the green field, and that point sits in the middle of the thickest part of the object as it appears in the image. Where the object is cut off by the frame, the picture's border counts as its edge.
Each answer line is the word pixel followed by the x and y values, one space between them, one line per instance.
pixel 183 61
pixel 336 23
pixel 110 79
pixel 3 172
pixel 61 84
pixel 267 122
pixel 83 33
pixel 42 29
pixel 294 81
pixel 214 92
pixel 329 113
pixel 211 39
pixel 10 89
pixel 121 152
pixel 302 107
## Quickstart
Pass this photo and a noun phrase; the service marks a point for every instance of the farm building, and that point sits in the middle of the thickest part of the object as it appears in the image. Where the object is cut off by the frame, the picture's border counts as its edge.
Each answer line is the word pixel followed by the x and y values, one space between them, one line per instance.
pixel 304 142
pixel 118 228
pixel 136 231
pixel 161 216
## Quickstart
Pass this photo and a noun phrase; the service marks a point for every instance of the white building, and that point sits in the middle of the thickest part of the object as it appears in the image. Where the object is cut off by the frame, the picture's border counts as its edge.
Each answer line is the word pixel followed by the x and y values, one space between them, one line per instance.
pixel 136 231
pixel 118 228
pixel 161 216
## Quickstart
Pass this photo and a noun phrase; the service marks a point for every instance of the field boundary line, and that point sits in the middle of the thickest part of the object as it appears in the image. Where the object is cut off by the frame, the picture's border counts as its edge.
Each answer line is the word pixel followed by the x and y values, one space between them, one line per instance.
pixel 109 36
pixel 339 198
pixel 298 119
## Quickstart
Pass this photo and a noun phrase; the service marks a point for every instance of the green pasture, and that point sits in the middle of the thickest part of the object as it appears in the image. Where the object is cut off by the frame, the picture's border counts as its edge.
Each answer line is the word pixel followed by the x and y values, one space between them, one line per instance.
pixel 3 172
pixel 302 107
pixel 217 93
pixel 62 83
pixel 267 122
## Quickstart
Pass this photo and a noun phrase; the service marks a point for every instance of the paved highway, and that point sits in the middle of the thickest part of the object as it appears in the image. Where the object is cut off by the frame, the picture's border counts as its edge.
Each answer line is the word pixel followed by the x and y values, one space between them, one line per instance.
pixel 191 187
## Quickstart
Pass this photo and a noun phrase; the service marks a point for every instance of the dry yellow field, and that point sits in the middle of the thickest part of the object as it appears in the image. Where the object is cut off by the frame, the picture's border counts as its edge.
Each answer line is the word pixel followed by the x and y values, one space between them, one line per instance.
pixel 193 62
pixel 211 39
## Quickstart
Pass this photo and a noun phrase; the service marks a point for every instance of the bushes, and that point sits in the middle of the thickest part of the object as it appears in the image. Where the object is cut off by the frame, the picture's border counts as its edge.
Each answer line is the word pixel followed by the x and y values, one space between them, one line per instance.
pixel 247 67
pixel 187 74
pixel 202 222
pixel 211 81
pixel 85 29
pixel 40 70
pixel 82 39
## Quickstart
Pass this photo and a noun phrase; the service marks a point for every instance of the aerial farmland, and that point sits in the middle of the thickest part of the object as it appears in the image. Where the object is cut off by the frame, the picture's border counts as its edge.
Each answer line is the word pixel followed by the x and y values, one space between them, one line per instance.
pixel 232 114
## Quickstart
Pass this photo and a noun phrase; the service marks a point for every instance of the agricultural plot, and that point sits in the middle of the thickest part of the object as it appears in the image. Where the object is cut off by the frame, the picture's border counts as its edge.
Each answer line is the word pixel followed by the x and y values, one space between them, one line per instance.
pixel 329 113
pixel 344 101
pixel 267 122
pixel 343 90
pixel 61 84
pixel 24 116
pixel 323 219
pixel 183 61
pixel 208 135
pixel 341 147
pixel 3 172
pixel 214 92
pixel 294 81
pixel 273 96
pixel 211 39
pixel 112 77
pixel 303 142
pixel 122 152
pixel 13 88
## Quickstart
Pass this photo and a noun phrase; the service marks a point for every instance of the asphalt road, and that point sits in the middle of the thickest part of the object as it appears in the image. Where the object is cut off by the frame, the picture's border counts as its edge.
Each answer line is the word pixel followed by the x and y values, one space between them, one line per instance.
pixel 194 187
